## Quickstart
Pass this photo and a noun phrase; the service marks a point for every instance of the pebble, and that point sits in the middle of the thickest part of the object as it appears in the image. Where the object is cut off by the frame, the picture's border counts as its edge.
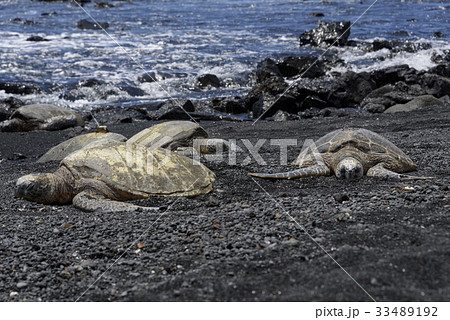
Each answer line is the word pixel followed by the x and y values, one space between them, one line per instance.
pixel 21 284
pixel 341 197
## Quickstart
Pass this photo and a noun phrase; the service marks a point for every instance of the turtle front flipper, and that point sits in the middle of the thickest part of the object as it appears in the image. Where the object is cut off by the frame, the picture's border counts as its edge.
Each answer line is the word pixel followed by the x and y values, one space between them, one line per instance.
pixel 315 170
pixel 91 201
pixel 380 171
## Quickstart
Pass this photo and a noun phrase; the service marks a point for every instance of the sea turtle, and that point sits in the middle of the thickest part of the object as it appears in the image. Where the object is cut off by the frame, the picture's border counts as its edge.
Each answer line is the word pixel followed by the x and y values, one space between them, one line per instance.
pixel 349 154
pixel 41 117
pixel 62 150
pixel 100 178
pixel 179 135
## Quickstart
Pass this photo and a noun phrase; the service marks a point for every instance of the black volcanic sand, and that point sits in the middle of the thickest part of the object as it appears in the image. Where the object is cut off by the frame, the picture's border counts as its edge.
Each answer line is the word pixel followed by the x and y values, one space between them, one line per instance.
pixel 238 244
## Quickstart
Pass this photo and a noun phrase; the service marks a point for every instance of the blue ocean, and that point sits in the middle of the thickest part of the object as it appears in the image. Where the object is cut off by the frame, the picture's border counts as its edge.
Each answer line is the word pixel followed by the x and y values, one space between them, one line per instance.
pixel 176 41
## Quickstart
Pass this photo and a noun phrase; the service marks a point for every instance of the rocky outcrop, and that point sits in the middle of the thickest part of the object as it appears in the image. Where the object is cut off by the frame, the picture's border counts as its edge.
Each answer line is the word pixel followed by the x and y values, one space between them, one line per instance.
pixel 327 33
pixel 416 103
pixel 279 88
pixel 350 89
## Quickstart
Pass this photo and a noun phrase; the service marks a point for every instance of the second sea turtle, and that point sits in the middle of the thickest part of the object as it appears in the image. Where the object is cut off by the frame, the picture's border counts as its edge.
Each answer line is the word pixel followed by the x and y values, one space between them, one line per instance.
pixel 350 154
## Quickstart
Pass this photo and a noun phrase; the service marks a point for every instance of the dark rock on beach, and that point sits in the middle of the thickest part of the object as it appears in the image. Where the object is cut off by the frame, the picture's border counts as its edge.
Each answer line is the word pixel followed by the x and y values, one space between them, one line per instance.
pixel 316 14
pixel 20 88
pixel 416 103
pixel 36 39
pixel 327 33
pixel 209 80
pixel 350 89
pixel 7 107
pixel 315 89
pixel 270 86
pixel 305 66
pixel 5 112
pixel 89 25
pixel 172 109
pixel 102 5
pixel 149 77
pixel 233 105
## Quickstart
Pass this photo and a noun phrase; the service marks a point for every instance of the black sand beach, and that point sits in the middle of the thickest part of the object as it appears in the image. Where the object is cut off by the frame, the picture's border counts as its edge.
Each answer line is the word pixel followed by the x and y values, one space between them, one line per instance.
pixel 239 243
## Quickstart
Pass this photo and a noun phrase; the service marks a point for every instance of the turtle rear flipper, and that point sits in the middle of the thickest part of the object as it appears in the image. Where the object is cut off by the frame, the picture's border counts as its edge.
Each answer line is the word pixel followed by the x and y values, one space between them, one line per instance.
pixel 315 170
pixel 380 171
pixel 90 202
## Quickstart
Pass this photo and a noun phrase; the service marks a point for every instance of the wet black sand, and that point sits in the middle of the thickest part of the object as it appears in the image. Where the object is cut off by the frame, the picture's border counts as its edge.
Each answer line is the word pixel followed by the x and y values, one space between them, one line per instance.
pixel 238 243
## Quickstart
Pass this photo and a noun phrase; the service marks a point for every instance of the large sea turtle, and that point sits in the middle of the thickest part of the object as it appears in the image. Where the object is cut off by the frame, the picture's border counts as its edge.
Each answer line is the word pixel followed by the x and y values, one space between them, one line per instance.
pixel 349 154
pixel 176 135
pixel 41 117
pixel 180 136
pixel 100 178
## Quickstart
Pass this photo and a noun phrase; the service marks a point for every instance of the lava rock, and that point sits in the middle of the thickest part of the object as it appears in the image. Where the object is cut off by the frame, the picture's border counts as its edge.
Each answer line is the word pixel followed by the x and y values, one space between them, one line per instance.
pixel 267 69
pixel 435 85
pixel 20 88
pixel 306 66
pixel 115 114
pixel 384 97
pixel 327 33
pixel 51 13
pixel 316 14
pixel 416 103
pixel 381 44
pixel 132 91
pixel 391 75
pixel 271 86
pixel 209 80
pixel 313 101
pixel 148 77
pixel 7 107
pixel 172 109
pixel 281 115
pixel 103 5
pixel 268 105
pixel 88 25
pixel 234 106
pixel 36 38
pixel 341 197
pixel 88 83
pixel 5 113
pixel 351 88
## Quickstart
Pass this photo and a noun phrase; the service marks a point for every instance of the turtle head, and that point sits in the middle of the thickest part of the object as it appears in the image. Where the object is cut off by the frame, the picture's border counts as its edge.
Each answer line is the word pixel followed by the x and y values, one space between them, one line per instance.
pixel 349 169
pixel 46 188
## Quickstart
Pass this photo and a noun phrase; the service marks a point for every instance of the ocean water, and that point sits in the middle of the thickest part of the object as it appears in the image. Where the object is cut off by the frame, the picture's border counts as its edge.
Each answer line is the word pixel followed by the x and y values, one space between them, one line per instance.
pixel 178 40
